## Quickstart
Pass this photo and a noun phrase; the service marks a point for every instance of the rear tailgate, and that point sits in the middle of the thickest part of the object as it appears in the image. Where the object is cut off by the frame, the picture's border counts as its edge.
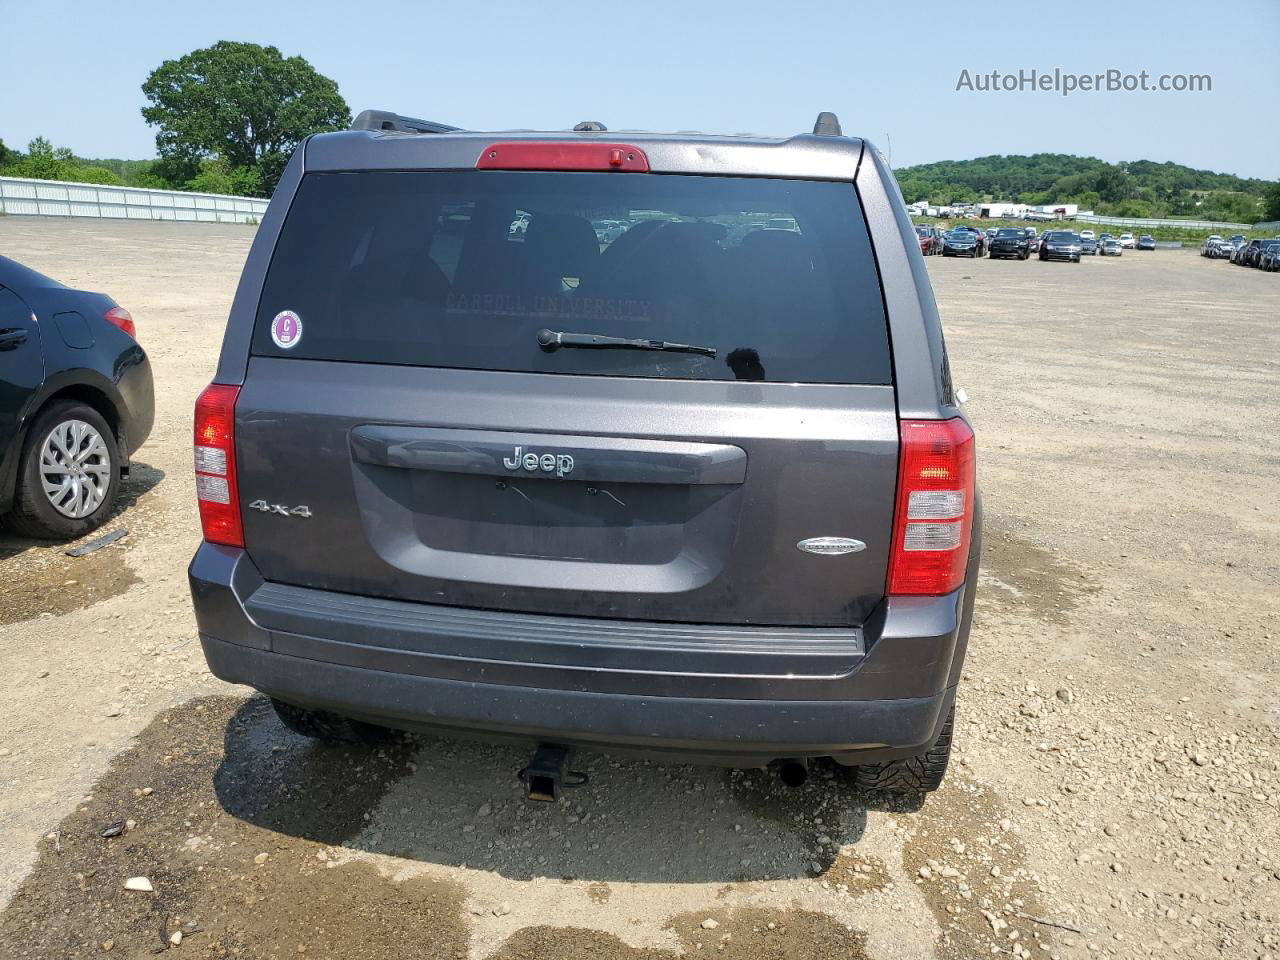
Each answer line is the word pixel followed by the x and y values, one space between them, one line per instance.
pixel 397 392
pixel 686 501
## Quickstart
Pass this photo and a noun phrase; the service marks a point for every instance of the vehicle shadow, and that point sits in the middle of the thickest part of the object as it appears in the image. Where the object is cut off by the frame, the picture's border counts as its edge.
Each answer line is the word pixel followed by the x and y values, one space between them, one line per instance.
pixel 141 480
pixel 458 803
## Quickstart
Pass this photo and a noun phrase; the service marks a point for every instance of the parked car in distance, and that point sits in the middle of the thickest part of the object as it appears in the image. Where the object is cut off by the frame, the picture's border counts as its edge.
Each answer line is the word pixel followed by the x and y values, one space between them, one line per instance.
pixel 1127 241
pixel 469 498
pixel 1010 242
pixel 1061 245
pixel 1221 250
pixel 1269 259
pixel 930 240
pixel 1208 248
pixel 76 400
pixel 961 243
pixel 979 236
pixel 1146 242
pixel 1252 251
pixel 1110 247
pixel 1088 246
pixel 1087 235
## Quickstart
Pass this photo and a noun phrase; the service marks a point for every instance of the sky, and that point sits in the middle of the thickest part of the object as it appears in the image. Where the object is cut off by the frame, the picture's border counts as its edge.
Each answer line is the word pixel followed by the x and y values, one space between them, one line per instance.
pixel 72 70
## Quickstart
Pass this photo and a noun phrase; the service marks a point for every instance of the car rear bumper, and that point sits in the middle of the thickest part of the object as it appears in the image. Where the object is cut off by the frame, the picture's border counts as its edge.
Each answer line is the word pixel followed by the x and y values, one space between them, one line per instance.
pixel 739 696
pixel 138 403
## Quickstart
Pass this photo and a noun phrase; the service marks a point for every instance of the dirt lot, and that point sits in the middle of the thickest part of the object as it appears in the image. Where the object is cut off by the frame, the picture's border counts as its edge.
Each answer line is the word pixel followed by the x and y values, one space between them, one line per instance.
pixel 1116 792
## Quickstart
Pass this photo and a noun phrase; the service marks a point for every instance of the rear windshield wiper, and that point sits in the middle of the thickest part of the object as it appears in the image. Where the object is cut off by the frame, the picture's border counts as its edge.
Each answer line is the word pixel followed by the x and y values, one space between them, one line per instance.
pixel 551 339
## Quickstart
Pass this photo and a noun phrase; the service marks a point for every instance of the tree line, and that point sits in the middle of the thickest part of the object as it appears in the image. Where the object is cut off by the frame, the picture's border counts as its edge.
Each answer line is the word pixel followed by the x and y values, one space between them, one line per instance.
pixel 1140 188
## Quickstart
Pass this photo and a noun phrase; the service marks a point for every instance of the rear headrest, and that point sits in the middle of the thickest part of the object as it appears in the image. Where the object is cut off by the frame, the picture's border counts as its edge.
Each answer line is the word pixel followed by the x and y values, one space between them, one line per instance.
pixel 563 243
pixel 661 259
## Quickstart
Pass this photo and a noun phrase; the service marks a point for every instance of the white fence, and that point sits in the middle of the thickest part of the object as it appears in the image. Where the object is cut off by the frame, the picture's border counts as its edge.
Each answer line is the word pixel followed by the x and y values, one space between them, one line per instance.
pixel 55 198
pixel 1185 224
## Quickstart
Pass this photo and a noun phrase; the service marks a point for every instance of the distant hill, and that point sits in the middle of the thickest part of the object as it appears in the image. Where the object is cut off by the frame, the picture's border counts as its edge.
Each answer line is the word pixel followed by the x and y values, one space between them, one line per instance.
pixel 1140 188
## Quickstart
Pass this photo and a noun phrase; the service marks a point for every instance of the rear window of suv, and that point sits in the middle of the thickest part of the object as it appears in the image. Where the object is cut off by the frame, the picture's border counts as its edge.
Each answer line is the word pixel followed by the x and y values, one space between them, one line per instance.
pixel 462 269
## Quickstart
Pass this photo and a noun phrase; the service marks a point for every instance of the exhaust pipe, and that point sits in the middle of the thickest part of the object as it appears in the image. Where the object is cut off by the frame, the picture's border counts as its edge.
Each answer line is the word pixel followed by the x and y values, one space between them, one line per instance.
pixel 793 772
pixel 546 775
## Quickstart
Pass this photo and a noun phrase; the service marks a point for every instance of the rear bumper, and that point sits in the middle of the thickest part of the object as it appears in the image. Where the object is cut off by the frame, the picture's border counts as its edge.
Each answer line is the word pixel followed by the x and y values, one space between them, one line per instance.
pixel 138 403
pixel 715 694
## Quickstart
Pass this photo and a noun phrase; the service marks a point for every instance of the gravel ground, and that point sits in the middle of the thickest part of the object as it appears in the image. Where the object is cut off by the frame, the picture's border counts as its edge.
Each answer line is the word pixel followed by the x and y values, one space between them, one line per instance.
pixel 1117 783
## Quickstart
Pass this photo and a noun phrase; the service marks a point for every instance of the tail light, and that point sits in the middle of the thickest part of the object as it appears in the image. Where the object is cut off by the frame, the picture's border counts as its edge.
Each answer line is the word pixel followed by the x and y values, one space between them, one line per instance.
pixel 216 465
pixel 122 318
pixel 933 519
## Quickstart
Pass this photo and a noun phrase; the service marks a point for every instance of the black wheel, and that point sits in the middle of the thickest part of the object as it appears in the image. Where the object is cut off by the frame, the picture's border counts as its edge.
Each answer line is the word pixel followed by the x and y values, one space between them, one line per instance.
pixel 69 474
pixel 919 774
pixel 330 728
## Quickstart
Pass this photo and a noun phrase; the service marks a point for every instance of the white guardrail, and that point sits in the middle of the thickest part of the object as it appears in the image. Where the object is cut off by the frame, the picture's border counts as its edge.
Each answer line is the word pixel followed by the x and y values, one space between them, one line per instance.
pixel 56 198
pixel 1185 224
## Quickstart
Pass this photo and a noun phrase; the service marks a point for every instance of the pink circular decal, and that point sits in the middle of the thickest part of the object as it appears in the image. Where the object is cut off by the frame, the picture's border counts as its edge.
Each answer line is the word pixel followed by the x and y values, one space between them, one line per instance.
pixel 286 329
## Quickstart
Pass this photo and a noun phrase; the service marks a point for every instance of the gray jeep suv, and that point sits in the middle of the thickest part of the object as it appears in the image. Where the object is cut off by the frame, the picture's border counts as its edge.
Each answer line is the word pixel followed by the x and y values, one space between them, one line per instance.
pixel 700 486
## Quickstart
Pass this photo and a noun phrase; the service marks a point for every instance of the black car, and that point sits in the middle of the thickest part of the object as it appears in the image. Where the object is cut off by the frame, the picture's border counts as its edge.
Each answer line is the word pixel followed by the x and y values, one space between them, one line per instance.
pixel 1146 242
pixel 1269 259
pixel 979 237
pixel 1010 242
pixel 961 243
pixel 1061 245
pixel 76 401
pixel 1251 253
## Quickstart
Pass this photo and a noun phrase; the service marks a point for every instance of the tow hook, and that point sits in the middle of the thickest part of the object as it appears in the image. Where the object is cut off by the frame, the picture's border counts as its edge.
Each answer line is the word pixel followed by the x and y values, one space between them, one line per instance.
pixel 545 776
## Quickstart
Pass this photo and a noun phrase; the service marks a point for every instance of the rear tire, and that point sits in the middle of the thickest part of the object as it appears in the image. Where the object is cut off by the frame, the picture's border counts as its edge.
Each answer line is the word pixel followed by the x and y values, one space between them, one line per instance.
pixel 34 513
pixel 918 774
pixel 329 728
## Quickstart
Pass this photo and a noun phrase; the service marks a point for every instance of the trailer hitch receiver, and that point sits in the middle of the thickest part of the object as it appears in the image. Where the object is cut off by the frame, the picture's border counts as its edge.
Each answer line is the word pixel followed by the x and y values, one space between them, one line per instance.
pixel 546 775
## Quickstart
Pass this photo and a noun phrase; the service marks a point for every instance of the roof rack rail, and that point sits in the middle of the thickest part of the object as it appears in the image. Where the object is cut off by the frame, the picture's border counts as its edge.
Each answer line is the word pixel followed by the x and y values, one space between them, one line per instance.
pixel 386 120
pixel 827 125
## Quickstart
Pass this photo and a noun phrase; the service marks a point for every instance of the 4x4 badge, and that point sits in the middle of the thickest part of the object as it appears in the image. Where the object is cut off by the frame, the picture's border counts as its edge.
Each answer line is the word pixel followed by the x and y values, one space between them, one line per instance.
pixel 830 546
pixel 302 510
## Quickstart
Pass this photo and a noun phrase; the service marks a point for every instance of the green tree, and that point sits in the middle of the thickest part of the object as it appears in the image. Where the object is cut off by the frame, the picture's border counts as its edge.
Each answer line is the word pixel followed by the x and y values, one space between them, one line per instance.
pixel 1271 199
pixel 44 161
pixel 217 176
pixel 94 175
pixel 243 103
